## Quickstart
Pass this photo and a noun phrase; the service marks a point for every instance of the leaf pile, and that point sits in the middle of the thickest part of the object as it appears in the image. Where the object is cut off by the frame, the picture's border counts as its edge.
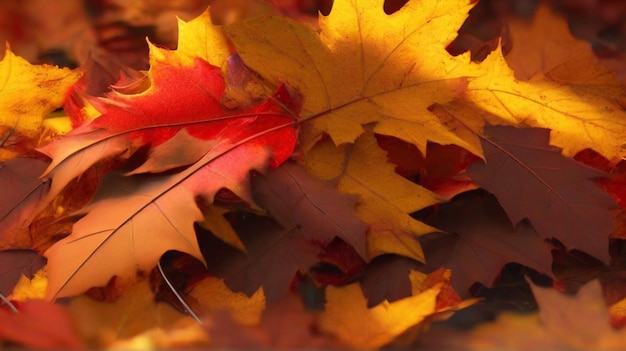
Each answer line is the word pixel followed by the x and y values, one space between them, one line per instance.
pixel 356 179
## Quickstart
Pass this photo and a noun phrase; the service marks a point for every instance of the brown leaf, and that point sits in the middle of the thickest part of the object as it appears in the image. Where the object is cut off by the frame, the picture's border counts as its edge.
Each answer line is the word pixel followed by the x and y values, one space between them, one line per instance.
pixel 314 208
pixel 532 180
pixel 480 241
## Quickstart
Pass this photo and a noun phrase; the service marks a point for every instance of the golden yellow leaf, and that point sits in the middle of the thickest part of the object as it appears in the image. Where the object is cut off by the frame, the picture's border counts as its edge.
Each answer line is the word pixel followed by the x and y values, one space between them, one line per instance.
pixel 27 289
pixel 29 92
pixel 386 199
pixel 211 295
pixel 197 38
pixel 581 115
pixel 364 66
pixel 347 317
pixel 215 222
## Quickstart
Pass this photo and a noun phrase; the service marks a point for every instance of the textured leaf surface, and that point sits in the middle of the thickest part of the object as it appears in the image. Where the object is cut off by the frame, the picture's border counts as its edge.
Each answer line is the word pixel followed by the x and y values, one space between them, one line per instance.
pixel 347 316
pixel 152 215
pixel 531 179
pixel 29 92
pixel 382 57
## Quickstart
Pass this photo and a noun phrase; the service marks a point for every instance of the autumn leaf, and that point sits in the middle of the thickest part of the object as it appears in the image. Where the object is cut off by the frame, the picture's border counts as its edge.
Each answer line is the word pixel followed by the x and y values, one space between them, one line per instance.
pixel 382 57
pixel 347 316
pixel 312 207
pixel 542 44
pixel 147 205
pixel 386 199
pixel 221 147
pixel 29 93
pixel 480 240
pixel 531 179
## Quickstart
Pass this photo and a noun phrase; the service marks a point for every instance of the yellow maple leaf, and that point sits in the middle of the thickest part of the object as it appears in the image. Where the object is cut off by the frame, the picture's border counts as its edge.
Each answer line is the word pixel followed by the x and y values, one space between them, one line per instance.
pixel 386 199
pixel 197 38
pixel 29 92
pixel 211 294
pixel 34 288
pixel 347 316
pixel 364 67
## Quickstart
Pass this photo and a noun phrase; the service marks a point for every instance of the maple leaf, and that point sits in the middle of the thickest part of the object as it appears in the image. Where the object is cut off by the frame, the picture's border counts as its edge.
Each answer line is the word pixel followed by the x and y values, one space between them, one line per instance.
pixel 385 200
pixel 380 55
pixel 180 110
pixel 480 240
pixel 531 179
pixel 22 190
pixel 312 207
pixel 29 93
pixel 347 316
pixel 147 206
pixel 360 44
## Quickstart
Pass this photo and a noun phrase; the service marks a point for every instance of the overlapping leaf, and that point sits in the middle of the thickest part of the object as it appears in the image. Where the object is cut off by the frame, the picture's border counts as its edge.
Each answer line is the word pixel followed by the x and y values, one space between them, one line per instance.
pixel 385 198
pixel 480 240
pixel 531 179
pixel 392 77
pixel 181 112
pixel 29 93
